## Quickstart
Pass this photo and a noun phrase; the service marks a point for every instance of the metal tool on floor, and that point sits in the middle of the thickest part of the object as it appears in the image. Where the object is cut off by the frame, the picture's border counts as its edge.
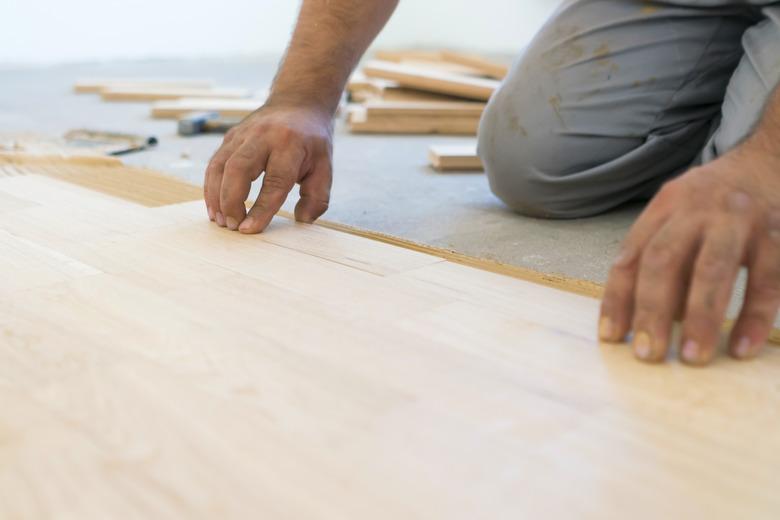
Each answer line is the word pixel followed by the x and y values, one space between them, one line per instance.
pixel 205 123
pixel 109 143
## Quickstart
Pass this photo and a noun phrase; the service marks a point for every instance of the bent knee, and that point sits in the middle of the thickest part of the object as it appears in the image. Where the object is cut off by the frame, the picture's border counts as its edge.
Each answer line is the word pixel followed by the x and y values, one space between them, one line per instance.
pixel 539 170
pixel 528 174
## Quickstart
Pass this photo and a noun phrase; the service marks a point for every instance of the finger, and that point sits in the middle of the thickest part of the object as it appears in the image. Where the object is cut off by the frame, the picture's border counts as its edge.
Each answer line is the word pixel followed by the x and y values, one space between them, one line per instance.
pixel 712 281
pixel 315 192
pixel 660 286
pixel 617 306
pixel 762 296
pixel 280 176
pixel 241 169
pixel 213 181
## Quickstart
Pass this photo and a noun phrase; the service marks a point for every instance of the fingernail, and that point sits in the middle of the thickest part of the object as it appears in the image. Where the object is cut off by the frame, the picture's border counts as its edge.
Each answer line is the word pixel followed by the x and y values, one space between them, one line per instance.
pixel 606 328
pixel 212 216
pixel 245 225
pixel 690 351
pixel 220 218
pixel 232 223
pixel 743 349
pixel 643 346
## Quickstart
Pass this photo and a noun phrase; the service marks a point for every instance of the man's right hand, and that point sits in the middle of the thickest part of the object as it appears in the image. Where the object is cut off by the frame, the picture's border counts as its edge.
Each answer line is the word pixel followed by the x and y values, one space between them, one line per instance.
pixel 291 145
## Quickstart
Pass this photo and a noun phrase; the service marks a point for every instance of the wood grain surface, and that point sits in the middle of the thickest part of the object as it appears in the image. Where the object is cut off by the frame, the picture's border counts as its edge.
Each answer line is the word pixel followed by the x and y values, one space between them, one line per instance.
pixel 97 85
pixel 153 365
pixel 455 157
pixel 432 80
pixel 424 108
pixel 361 120
pixel 142 93
pixel 177 108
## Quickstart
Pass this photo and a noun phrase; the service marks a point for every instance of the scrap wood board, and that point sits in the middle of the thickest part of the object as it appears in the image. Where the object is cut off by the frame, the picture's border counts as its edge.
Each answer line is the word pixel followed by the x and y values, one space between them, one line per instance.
pixel 453 61
pixel 431 80
pixel 96 85
pixel 487 67
pixel 154 365
pixel 454 158
pixel 361 120
pixel 175 109
pixel 361 89
pixel 142 93
pixel 424 108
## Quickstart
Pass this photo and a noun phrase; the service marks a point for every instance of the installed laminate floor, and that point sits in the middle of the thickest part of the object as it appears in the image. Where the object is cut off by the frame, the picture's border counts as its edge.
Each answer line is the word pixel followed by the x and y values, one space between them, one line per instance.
pixel 153 365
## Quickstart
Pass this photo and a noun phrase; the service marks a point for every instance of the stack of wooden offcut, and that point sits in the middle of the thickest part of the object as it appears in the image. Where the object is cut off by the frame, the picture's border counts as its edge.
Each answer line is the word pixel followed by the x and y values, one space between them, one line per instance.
pixel 176 97
pixel 422 92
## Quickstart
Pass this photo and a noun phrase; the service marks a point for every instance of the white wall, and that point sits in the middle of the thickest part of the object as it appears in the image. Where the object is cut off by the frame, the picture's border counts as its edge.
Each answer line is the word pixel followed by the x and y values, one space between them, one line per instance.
pixel 56 31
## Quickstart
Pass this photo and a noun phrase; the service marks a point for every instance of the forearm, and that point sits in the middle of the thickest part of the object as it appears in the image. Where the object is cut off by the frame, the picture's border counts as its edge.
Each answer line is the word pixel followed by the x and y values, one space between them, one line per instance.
pixel 329 39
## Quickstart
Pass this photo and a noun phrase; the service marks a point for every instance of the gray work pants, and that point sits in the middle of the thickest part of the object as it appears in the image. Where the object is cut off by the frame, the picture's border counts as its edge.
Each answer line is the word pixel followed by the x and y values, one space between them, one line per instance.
pixel 614 97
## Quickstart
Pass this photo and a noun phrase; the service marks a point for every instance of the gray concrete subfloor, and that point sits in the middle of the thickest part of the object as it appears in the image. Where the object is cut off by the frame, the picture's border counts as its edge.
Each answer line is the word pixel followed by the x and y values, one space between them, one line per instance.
pixel 381 183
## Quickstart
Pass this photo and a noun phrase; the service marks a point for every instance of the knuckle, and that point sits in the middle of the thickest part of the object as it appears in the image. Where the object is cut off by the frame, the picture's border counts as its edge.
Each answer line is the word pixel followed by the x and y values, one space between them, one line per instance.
pixel 246 151
pixel 765 291
pixel 670 190
pixel 276 183
pixel 701 319
pixel 713 268
pixel 657 257
pixel 763 316
pixel 738 202
pixel 259 129
pixel 235 167
pixel 212 168
pixel 649 303
pixel 231 134
pixel 285 135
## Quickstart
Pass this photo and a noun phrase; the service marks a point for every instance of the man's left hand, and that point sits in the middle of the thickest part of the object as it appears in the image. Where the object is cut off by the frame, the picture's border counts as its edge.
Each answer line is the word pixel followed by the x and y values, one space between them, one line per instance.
pixel 682 256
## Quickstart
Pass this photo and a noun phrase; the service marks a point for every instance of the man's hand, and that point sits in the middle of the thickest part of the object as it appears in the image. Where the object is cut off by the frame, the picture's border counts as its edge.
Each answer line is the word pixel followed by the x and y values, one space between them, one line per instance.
pixel 681 258
pixel 290 138
pixel 292 145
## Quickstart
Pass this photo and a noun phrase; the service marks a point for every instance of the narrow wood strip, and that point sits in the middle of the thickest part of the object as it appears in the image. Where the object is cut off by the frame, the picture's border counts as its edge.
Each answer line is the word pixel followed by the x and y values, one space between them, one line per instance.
pixel 433 81
pixel 96 85
pixel 487 67
pixel 233 108
pixel 155 94
pixel 360 122
pixel 21 158
pixel 454 158
pixel 573 285
pixel 424 108
pixel 408 54
pixel 362 89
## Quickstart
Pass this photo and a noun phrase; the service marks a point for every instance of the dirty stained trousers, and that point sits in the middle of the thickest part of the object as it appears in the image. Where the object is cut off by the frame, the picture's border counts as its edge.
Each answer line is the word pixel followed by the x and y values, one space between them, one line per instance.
pixel 614 97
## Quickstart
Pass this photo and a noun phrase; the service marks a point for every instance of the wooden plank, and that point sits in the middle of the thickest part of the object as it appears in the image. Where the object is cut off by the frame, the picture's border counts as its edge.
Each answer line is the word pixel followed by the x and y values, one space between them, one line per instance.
pixel 442 66
pixel 457 62
pixel 229 108
pixel 360 122
pixel 432 81
pixel 146 372
pixel 97 85
pixel 361 89
pixel 399 55
pixel 454 158
pixel 410 94
pixel 377 108
pixel 106 175
pixel 160 93
pixel 485 66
